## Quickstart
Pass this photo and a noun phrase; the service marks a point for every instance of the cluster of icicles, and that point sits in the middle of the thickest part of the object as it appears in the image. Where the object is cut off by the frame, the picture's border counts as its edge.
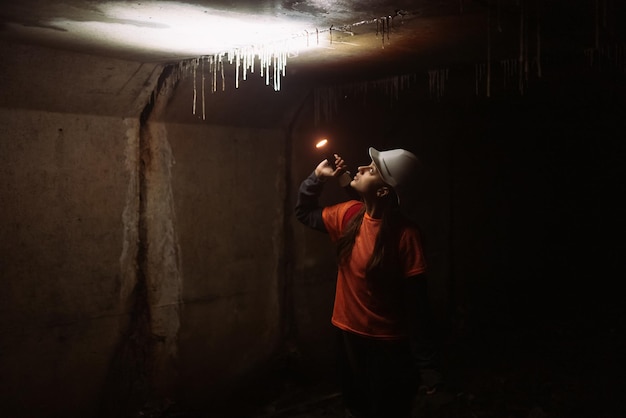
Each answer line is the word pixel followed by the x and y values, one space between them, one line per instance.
pixel 326 100
pixel 607 56
pixel 208 71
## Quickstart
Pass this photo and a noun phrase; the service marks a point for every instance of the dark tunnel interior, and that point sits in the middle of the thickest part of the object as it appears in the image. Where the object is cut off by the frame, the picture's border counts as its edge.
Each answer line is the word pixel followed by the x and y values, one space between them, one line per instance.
pixel 151 262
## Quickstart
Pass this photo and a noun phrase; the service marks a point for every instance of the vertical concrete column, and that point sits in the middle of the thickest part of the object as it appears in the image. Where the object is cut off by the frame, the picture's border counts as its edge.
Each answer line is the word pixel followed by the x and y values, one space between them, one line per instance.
pixel 159 252
pixel 144 365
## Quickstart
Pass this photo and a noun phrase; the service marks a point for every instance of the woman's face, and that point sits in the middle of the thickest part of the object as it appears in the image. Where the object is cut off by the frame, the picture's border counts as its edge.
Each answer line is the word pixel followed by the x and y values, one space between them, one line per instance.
pixel 367 180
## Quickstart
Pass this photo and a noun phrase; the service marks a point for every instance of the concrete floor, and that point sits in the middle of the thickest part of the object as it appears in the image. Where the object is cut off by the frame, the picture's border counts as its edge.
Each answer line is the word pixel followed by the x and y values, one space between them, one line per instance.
pixel 565 379
pixel 549 368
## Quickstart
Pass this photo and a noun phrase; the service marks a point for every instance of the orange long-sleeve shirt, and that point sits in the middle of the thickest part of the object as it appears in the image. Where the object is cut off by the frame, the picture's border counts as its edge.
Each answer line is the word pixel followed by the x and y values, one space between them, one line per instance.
pixel 372 310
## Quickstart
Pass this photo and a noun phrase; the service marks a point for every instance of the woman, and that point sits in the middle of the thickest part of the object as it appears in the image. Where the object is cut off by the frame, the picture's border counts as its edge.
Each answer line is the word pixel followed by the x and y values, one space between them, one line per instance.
pixel 380 285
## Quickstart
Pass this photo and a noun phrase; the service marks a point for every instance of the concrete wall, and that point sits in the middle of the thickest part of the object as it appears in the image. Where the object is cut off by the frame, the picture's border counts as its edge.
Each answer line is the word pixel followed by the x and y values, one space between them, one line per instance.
pixel 228 186
pixel 64 189
pixel 138 260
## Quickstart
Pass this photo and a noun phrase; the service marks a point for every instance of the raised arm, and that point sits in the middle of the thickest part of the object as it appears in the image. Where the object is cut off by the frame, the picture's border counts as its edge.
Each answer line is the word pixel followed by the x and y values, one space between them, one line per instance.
pixel 308 211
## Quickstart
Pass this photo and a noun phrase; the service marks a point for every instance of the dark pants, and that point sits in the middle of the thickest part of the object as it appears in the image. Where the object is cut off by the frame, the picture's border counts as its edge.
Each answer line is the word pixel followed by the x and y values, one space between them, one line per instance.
pixel 376 376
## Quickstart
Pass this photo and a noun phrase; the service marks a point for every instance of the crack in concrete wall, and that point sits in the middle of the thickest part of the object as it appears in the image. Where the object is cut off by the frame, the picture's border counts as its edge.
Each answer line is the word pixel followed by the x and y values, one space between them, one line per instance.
pixel 159 252
pixel 144 366
pixel 160 255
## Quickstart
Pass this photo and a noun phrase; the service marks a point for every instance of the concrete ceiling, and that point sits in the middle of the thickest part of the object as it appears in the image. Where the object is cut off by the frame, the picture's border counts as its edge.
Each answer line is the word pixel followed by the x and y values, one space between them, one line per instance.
pixel 328 41
pixel 341 34
pixel 170 30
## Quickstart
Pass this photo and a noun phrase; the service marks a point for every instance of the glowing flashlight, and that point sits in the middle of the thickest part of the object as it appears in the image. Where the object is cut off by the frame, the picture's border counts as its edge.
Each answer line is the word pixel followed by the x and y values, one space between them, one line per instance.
pixel 329 157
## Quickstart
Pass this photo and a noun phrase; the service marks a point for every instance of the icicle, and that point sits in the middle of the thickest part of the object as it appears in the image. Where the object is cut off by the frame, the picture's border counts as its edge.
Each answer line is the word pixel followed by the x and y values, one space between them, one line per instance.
pixel 388 26
pixel 509 70
pixel 195 94
pixel 436 83
pixel 210 60
pixel 383 32
pixel 237 63
pixel 203 103
pixel 252 53
pixel 276 71
pixel 279 69
pixel 221 64
pixel 267 68
pixel 214 66
pixel 245 65
pixel 251 56
pixel 284 63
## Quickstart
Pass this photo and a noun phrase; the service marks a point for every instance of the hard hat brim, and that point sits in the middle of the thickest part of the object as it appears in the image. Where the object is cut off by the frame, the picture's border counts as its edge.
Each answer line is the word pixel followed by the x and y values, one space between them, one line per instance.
pixel 375 156
pixel 380 164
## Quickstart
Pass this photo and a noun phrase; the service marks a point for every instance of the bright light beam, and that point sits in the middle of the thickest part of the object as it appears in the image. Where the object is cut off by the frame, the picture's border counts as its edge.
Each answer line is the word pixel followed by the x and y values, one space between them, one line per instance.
pixel 183 29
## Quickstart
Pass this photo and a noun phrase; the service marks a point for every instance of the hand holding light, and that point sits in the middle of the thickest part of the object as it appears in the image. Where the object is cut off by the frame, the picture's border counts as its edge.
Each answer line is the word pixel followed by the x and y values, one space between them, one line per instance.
pixel 330 158
pixel 332 166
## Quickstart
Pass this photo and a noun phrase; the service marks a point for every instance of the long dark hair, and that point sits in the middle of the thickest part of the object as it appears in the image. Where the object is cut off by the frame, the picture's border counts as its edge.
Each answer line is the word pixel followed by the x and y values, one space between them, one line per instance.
pixel 384 259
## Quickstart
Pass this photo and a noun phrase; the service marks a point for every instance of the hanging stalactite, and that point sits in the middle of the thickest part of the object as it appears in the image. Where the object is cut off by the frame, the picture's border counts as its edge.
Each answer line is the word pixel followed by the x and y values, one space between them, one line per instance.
pixel 203 92
pixel 272 58
pixel 437 83
pixel 479 74
pixel 327 100
pixel 509 71
pixel 195 89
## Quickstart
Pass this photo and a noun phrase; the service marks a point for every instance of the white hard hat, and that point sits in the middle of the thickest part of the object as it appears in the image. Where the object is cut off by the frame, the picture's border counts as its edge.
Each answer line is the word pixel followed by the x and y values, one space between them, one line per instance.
pixel 396 166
